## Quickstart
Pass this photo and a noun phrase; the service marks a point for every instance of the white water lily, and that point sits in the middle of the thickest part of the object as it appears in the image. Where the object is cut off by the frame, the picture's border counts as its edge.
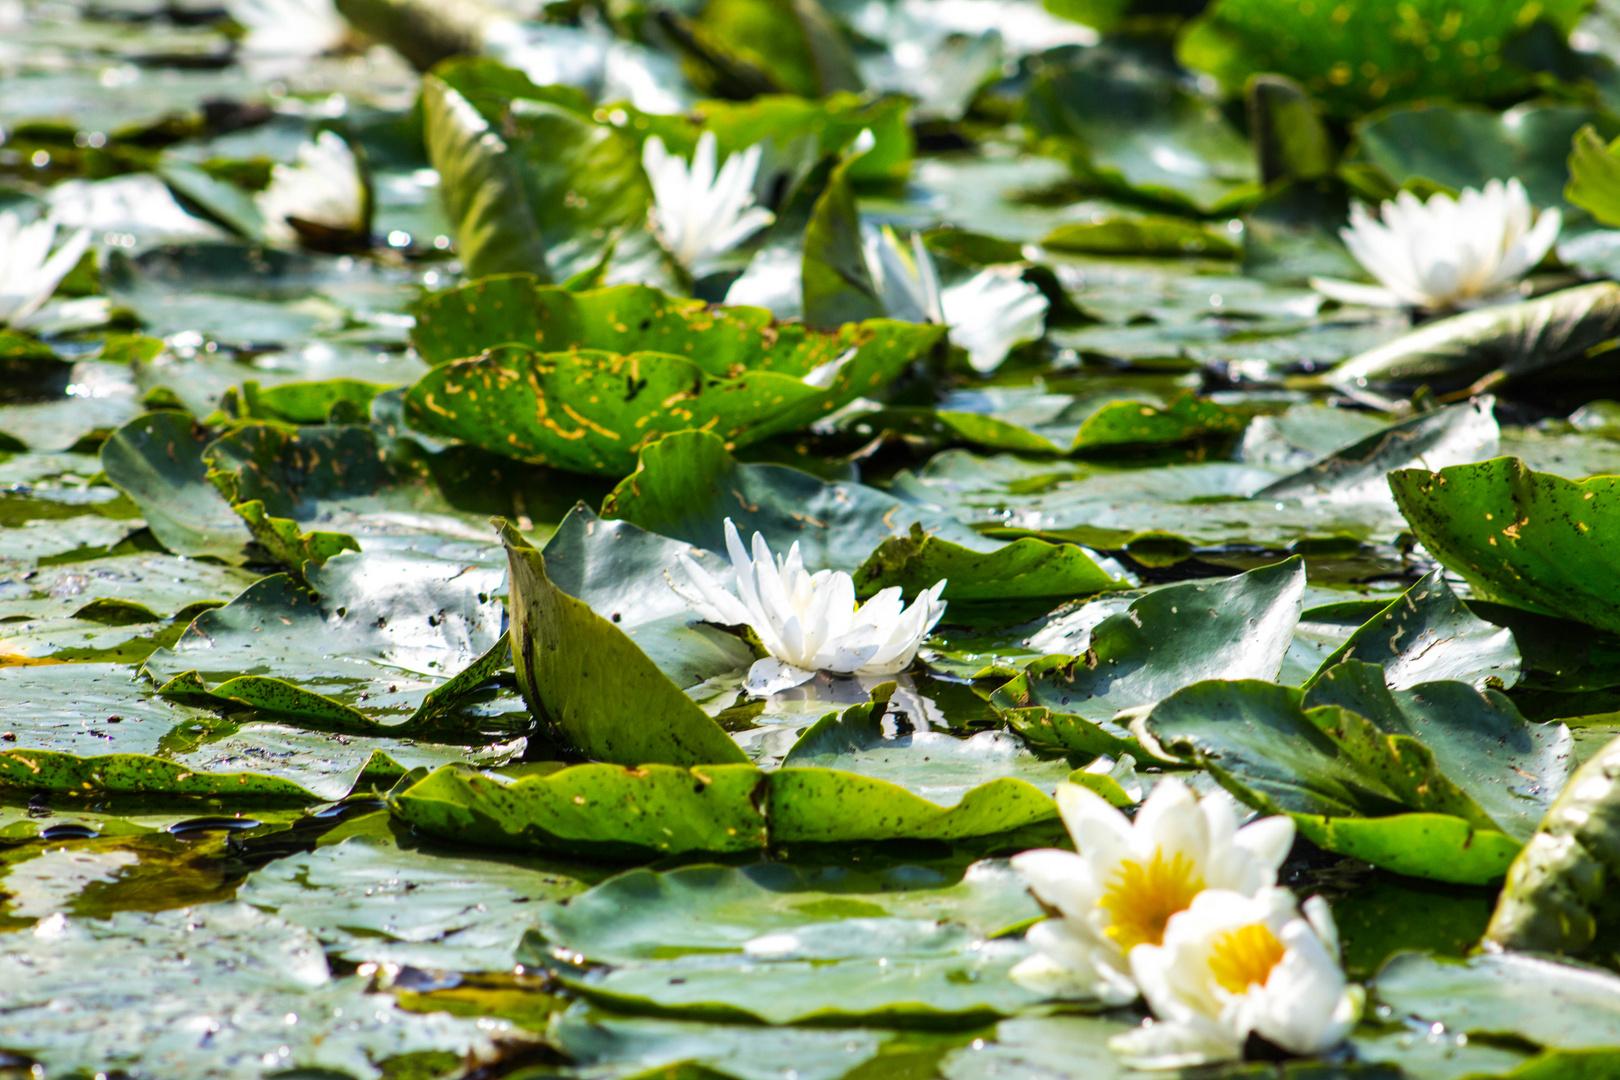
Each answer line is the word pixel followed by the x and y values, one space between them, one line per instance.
pixel 698 212
pixel 1129 878
pixel 1446 252
pixel 29 271
pixel 988 313
pixel 325 188
pixel 809 622
pixel 288 28
pixel 1232 965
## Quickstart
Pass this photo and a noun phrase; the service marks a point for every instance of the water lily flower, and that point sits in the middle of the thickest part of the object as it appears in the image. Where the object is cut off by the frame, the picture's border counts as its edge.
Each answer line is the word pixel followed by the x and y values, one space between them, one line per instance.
pixel 988 313
pixel 1232 965
pixel 288 28
pixel 324 189
pixel 809 622
pixel 1446 252
pixel 29 272
pixel 698 213
pixel 1130 878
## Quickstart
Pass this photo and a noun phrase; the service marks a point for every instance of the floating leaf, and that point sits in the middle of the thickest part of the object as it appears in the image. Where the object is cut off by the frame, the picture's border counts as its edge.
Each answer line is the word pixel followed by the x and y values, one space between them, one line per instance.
pixel 1528 539
pixel 1369 57
pixel 1166 640
pixel 156 459
pixel 687 485
pixel 607 811
pixel 1023 568
pixel 1482 349
pixel 1428 635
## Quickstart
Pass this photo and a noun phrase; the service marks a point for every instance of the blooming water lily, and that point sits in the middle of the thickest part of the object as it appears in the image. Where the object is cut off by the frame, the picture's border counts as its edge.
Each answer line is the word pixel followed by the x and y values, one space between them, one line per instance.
pixel 324 190
pixel 1446 252
pixel 29 272
pixel 1128 879
pixel 988 313
pixel 1232 965
pixel 809 622
pixel 699 213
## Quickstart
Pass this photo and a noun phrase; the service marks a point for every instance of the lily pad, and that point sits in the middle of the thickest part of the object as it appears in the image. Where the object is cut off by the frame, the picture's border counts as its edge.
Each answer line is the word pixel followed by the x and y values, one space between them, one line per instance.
pixel 596 809
pixel 592 411
pixel 1022 569
pixel 1166 640
pixel 1428 635
pixel 125 992
pixel 590 683
pixel 1496 345
pixel 1369 57
pixel 1528 539
pixel 156 459
pixel 793 953
pixel 1141 133
pixel 370 896
pixel 379 632
pixel 1485 995
pixel 688 485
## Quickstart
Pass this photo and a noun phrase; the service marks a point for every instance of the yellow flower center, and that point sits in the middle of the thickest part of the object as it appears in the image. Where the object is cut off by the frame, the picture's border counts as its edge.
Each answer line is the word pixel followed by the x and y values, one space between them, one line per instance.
pixel 1141 899
pixel 1245 957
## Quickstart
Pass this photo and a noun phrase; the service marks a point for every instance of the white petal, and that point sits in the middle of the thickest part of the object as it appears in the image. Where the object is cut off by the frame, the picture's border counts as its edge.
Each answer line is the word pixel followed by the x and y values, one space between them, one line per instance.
pixel 772 676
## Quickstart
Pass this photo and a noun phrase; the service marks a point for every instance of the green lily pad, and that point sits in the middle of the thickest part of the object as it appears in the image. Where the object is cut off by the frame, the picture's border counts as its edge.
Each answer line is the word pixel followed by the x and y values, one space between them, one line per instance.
pixel 377 634
pixel 1496 345
pixel 590 683
pixel 370 895
pixel 621 572
pixel 1486 995
pixel 601 810
pixel 688 485
pixel 1527 539
pixel 1594 177
pixel 1428 635
pixel 771 944
pixel 87 994
pixel 1454 146
pixel 157 460
pixel 986 783
pixel 1453 806
pixel 1134 424
pixel 646 915
pixel 1045 1048
pixel 1139 132
pixel 505 164
pixel 1166 640
pixel 1024 568
pixel 1369 57
pixel 592 411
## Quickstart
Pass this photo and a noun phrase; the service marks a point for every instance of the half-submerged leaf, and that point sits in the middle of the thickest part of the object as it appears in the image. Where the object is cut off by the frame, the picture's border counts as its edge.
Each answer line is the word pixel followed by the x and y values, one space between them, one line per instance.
pixel 600 694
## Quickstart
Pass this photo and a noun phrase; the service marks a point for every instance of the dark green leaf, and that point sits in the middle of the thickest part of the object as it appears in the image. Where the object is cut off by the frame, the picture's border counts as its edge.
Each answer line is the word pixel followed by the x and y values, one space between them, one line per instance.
pixel 596 689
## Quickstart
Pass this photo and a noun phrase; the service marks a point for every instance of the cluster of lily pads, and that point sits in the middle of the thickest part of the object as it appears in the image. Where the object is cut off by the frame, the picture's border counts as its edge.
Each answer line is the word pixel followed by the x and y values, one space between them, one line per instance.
pixel 814 539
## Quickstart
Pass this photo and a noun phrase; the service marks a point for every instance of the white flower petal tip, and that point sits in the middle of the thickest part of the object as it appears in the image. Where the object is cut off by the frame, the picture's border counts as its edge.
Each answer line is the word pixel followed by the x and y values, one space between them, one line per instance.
pixel 288 28
pixel 1445 253
pixel 1232 965
pixel 771 676
pixel 29 270
pixel 701 212
pixel 809 622
pixel 324 189
pixel 1132 878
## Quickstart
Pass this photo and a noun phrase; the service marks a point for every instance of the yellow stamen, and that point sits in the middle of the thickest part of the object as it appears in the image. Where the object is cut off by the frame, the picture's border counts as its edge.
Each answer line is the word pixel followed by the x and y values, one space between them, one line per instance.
pixel 1245 957
pixel 1141 899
